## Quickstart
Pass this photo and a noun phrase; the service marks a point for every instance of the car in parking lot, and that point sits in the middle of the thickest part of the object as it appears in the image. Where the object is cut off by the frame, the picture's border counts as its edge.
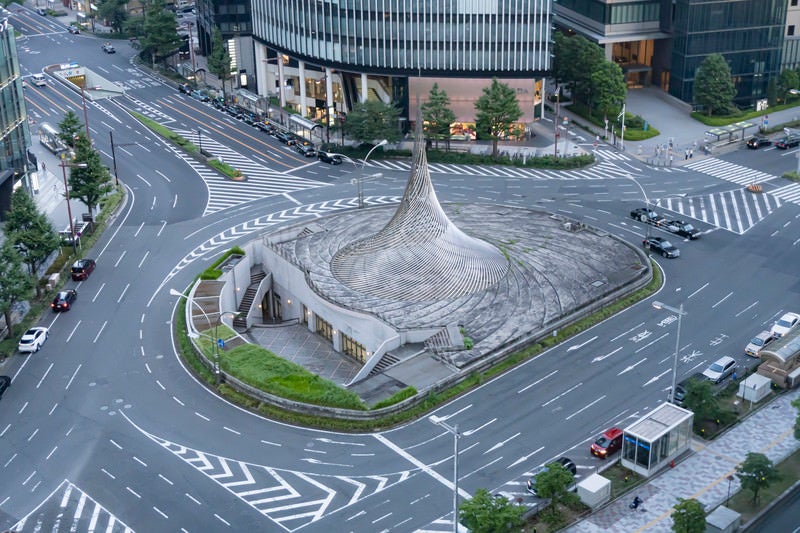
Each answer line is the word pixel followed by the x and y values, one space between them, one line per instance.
pixel 607 444
pixel 568 465
pixel 758 343
pixel 720 369
pixel 307 150
pixel 109 48
pixel 64 300
pixel 5 382
pixel 81 269
pixel 33 339
pixel 331 159
pixel 790 141
pixel 648 216
pixel 784 324
pixel 661 246
pixel 683 229
pixel 757 141
pixel 286 138
pixel 682 387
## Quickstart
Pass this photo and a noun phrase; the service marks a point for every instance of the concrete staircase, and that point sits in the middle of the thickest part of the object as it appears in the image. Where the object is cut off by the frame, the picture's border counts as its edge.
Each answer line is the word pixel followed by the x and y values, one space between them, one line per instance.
pixel 240 322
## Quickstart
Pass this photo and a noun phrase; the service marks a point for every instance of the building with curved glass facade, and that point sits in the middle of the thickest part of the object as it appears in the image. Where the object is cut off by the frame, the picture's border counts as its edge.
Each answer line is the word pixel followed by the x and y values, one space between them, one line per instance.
pixel 322 56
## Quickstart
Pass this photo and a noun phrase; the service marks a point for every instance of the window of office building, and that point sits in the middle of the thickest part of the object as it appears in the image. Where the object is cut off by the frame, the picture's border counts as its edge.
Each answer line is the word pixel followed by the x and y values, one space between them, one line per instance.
pixel 790 30
pixel 353 348
pixel 324 328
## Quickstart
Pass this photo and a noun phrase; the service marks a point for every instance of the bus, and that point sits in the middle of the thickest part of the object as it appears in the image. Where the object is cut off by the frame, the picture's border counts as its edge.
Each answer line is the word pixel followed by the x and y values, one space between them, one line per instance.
pixel 48 136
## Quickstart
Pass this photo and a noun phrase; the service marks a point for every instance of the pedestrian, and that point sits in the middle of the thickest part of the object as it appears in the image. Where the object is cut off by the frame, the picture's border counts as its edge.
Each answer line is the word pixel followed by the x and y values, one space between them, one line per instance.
pixel 686 155
pixel 671 158
pixel 734 375
pixel 690 154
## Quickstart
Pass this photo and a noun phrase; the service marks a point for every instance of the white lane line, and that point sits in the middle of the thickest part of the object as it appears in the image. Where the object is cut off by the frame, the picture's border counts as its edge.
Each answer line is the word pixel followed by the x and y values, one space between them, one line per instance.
pixel 100 332
pixel 121 296
pixel 73 377
pixel 143 259
pixel 44 376
pixel 193 499
pixel 120 258
pixel 133 492
pixel 601 398
pixel 98 292
pixel 165 479
pixel 73 331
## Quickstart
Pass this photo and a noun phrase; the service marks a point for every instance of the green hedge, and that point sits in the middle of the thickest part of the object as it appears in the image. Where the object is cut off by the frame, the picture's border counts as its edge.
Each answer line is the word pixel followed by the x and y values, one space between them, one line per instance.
pixel 212 273
pixel 397 397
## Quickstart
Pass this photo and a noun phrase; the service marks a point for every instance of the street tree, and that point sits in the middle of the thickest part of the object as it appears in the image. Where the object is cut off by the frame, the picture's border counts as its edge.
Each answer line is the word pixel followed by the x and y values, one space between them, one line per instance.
pixel 701 400
pixel 796 405
pixel 575 59
pixel 92 183
pixel 609 88
pixel 160 37
pixel 689 517
pixel 219 60
pixel 553 483
pixel 114 12
pixel 788 81
pixel 497 111
pixel 373 120
pixel 69 128
pixel 30 231
pixel 756 472
pixel 485 513
pixel 15 284
pixel 437 115
pixel 713 85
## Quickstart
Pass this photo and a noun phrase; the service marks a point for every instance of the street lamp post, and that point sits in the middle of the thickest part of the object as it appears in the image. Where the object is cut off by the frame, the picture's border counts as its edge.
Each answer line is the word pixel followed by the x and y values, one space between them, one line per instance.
pixel 63 164
pixel 85 115
pixel 453 430
pixel 679 311
pixel 646 205
pixel 114 155
pixel 200 139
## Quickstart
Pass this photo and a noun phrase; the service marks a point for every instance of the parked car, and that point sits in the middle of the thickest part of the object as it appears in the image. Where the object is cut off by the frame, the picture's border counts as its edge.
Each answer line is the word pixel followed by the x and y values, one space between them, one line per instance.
pixel 249 118
pixel 331 159
pixel 680 388
pixel 683 229
pixel 184 88
pixel 568 464
pixel 265 127
pixel 648 216
pixel 109 48
pixel 5 382
pixel 33 339
pixel 81 269
pixel 661 246
pixel 720 369
pixel 790 141
pixel 784 324
pixel 64 300
pixel 42 11
pixel 200 95
pixel 73 29
pixel 758 343
pixel 306 150
pixel 234 111
pixel 607 444
pixel 286 138
pixel 757 141
pixel 218 103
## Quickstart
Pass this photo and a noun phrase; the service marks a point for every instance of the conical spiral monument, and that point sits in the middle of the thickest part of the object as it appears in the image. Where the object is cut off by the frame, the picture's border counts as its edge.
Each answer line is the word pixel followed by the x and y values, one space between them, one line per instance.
pixel 420 255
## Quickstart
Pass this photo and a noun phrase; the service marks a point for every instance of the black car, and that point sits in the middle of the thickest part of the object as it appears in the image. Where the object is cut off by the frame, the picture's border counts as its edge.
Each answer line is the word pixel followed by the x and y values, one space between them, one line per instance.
pixel 73 29
pixel 64 300
pixel 684 229
pixel 233 111
pixel 306 150
pixel 758 141
pixel 680 388
pixel 662 246
pixel 790 141
pixel 249 118
pixel 184 88
pixel 218 102
pixel 648 216
pixel 42 11
pixel 568 465
pixel 331 159
pixel 5 382
pixel 265 127
pixel 109 48
pixel 286 138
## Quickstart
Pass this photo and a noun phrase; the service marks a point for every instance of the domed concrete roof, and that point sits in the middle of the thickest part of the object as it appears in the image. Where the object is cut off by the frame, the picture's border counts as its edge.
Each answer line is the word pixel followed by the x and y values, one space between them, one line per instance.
pixel 420 254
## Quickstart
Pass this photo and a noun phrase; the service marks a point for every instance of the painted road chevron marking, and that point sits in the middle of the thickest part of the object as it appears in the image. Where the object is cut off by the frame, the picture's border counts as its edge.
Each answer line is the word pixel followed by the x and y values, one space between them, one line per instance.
pixel 291 499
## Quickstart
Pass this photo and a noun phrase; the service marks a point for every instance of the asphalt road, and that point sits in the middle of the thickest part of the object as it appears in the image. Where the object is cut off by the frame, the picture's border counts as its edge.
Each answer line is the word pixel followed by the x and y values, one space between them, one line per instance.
pixel 105 427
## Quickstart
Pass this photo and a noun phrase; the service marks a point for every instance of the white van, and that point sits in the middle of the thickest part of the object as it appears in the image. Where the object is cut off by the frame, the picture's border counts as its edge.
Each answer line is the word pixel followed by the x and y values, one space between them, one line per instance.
pixel 39 80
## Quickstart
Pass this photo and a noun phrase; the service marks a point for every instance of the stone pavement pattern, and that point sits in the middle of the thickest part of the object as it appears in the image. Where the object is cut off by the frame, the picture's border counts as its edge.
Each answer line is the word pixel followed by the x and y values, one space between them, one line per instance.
pixel 703 475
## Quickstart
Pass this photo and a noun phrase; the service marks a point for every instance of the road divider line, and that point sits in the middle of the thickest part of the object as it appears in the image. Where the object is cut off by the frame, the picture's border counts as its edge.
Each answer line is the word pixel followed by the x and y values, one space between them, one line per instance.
pixel 100 332
pixel 45 375
pixel 601 398
pixel 195 500
pixel 124 291
pixel 73 377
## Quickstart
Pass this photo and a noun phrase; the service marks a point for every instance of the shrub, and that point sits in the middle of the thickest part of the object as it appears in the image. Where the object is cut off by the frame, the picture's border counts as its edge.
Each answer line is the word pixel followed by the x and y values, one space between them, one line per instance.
pixel 397 397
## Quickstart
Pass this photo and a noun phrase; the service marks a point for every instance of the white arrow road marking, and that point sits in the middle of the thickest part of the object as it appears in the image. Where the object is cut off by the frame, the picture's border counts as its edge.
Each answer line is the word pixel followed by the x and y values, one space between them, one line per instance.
pixel 446 417
pixel 525 458
pixel 606 356
pixel 653 380
pixel 631 367
pixel 501 443
pixel 577 346
pixel 330 441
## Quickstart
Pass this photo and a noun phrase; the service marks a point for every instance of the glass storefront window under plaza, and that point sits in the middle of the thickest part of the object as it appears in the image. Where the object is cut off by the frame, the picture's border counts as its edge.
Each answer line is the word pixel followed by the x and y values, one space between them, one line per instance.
pixel 654 440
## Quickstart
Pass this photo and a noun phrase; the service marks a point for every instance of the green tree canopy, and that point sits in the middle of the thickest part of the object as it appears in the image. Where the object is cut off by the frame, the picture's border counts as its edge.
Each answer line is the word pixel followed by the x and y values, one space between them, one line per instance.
pixel 30 231
pixel 757 472
pixel 788 81
pixel 713 85
pixel 219 60
pixel 437 115
pixel 69 128
pixel 689 517
pixel 15 283
pixel 575 59
pixel 609 88
pixel 92 183
pixel 372 121
pixel 160 38
pixel 497 111
pixel 114 12
pixel 485 513
pixel 701 400
pixel 796 405
pixel 554 482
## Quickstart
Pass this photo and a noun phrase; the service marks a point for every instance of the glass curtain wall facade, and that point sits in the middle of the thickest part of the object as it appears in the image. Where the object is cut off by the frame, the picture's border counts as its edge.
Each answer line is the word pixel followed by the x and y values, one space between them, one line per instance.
pixel 748 33
pixel 14 132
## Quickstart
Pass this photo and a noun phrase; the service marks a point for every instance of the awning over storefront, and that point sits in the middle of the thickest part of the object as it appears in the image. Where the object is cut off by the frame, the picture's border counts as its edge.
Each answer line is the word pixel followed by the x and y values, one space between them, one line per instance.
pixel 729 130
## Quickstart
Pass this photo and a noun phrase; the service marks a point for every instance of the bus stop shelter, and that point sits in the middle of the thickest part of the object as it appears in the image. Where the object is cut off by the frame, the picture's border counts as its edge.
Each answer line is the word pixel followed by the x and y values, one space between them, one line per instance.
pixel 653 441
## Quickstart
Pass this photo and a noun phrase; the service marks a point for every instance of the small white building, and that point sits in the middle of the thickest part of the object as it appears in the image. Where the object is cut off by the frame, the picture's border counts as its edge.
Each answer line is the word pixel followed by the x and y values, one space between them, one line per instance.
pixel 595 490
pixel 755 388
pixel 653 441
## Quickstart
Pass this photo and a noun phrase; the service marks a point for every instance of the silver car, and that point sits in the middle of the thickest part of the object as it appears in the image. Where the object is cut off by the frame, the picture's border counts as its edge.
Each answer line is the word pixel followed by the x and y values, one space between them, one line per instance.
pixel 758 343
pixel 720 369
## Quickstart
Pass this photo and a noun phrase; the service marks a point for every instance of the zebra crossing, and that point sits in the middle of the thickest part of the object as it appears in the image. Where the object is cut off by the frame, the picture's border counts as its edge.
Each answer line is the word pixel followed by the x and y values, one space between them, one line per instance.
pixel 736 211
pixel 788 193
pixel 600 171
pixel 732 172
pixel 143 108
pixel 610 154
pixel 260 182
pixel 69 509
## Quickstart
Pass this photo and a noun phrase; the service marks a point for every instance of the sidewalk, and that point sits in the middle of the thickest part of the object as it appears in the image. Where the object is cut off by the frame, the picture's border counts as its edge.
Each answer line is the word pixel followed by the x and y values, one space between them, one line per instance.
pixel 704 474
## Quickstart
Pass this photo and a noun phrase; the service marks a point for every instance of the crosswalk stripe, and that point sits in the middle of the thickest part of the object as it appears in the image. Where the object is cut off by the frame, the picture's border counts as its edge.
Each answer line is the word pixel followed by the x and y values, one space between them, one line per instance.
pixel 736 211
pixel 729 171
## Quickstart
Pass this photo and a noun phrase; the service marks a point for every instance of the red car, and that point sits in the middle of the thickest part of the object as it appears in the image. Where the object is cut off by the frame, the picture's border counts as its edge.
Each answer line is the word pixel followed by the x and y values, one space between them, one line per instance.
pixel 607 443
pixel 64 300
pixel 82 268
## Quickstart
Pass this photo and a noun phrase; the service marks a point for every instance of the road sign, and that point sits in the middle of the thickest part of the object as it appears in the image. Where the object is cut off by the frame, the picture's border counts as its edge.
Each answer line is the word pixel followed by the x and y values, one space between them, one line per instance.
pixel 221 343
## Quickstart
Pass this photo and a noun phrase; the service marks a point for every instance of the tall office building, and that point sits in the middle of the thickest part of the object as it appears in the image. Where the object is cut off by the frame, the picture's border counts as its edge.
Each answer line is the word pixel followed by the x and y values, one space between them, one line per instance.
pixel 323 56
pixel 14 132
